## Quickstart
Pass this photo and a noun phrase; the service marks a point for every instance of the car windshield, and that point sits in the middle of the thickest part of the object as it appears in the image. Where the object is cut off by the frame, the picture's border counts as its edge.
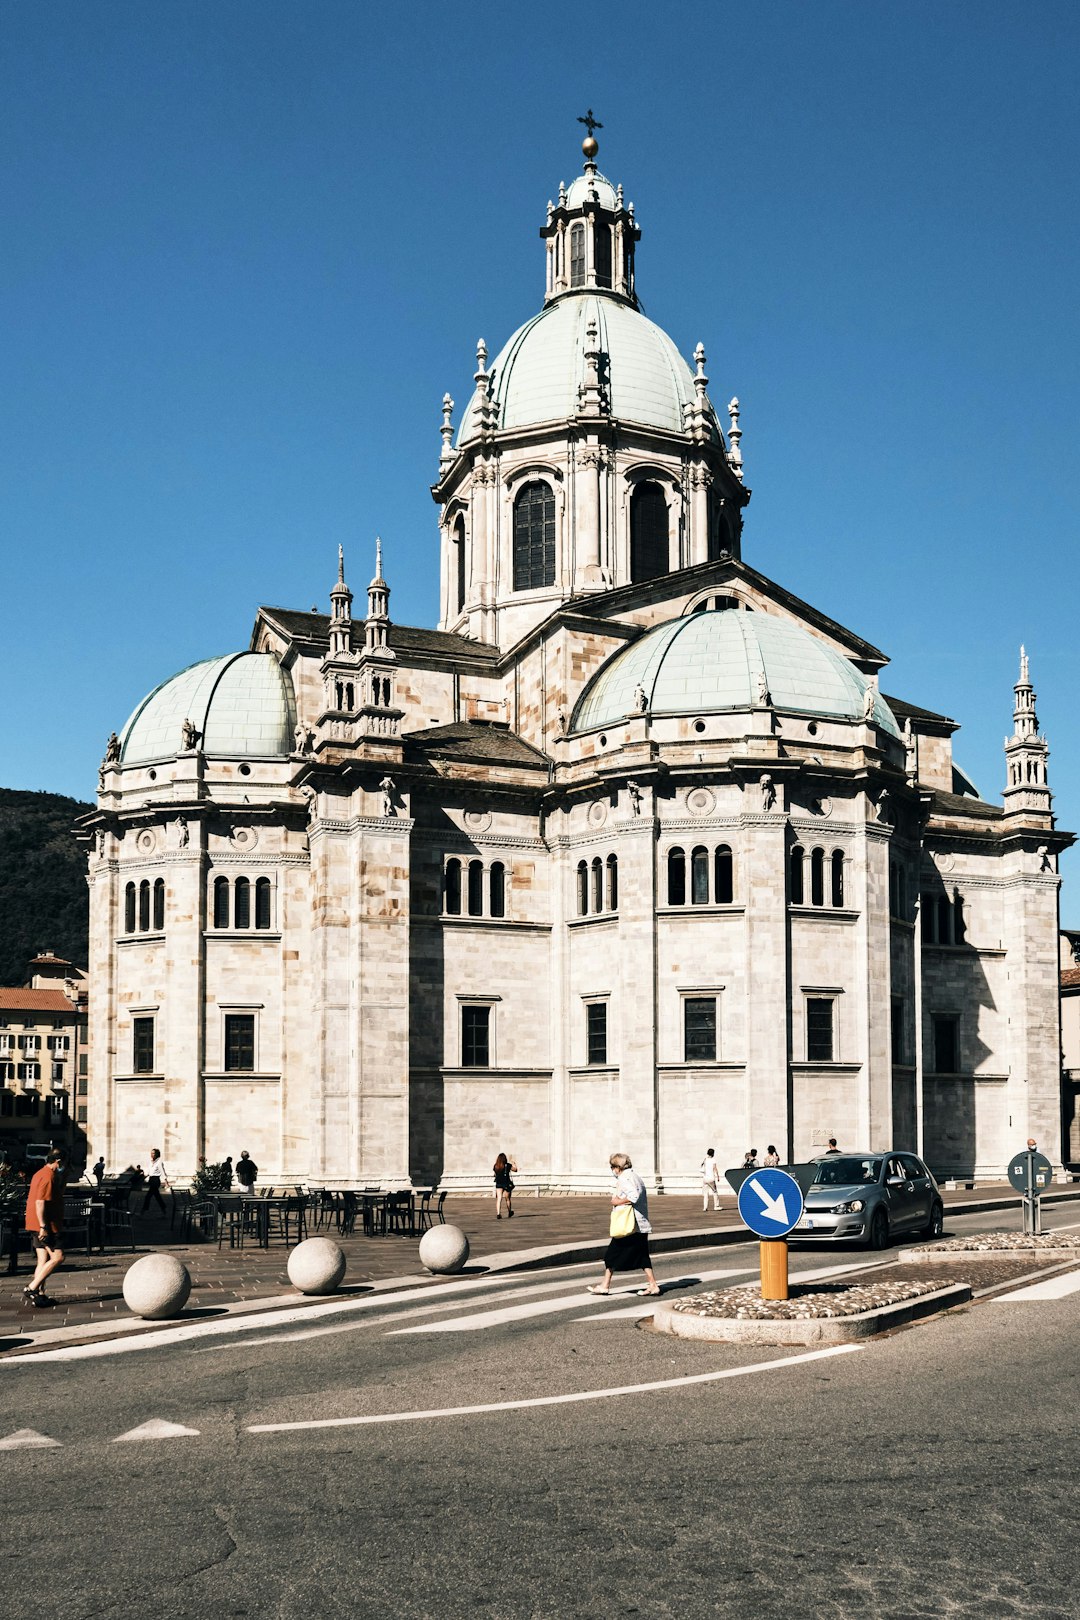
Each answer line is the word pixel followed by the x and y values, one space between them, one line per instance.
pixel 843 1172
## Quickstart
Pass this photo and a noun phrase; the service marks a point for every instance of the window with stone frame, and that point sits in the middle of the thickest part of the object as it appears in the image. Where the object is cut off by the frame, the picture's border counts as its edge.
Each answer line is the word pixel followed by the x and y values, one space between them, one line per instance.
pixel 239 1042
pixel 898 1031
pixel 945 1029
pixel 797 875
pixel 820 1029
pixel 577 254
pixel 459 562
pixel 650 552
pixel 943 920
pixel 596 1032
pixel 142 1044
pixel 699 1029
pixel 452 887
pixel 475 1036
pixel 534 536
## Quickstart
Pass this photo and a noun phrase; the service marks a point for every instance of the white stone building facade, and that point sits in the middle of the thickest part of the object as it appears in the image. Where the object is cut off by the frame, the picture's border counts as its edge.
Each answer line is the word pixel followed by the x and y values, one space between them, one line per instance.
pixel 630 852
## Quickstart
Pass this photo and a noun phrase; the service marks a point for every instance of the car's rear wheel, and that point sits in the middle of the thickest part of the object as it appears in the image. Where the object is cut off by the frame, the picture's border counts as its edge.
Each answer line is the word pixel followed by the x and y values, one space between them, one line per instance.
pixel 879 1229
pixel 935 1225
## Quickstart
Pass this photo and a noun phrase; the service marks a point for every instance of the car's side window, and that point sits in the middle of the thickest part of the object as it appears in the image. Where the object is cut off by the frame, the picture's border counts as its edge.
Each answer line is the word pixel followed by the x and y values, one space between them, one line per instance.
pixel 913 1168
pixel 897 1169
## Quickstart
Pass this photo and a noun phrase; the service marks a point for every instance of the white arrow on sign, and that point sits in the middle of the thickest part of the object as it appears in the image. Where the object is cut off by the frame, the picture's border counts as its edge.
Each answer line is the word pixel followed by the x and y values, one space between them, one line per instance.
pixel 775 1208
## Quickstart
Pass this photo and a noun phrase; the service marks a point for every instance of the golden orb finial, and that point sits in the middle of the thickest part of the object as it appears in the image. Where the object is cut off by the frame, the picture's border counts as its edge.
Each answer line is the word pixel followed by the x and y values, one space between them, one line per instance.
pixel 590 146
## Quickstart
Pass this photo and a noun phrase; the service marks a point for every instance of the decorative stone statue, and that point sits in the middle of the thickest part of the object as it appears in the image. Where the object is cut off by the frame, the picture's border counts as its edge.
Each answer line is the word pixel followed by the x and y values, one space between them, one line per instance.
pixel 883 808
pixel 112 749
pixel 560 723
pixel 764 696
pixel 99 840
pixel 634 793
pixel 389 796
pixel 768 793
pixel 869 703
pixel 641 698
pixel 1046 860
pixel 310 797
pixel 189 736
pixel 303 739
pixel 101 778
pixel 182 833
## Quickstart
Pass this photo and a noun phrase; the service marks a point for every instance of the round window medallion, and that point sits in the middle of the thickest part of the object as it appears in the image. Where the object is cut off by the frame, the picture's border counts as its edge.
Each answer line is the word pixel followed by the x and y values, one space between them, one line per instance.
pixel 243 838
pixel 602 741
pixel 821 807
pixel 152 775
pixel 699 726
pixel 146 842
pixel 946 862
pixel 597 813
pixel 700 801
pixel 477 821
pixel 812 728
pixel 245 770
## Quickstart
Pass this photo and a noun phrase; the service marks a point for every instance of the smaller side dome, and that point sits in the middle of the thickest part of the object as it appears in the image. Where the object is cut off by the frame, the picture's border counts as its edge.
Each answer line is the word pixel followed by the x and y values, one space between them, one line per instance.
pixel 714 662
pixel 243 705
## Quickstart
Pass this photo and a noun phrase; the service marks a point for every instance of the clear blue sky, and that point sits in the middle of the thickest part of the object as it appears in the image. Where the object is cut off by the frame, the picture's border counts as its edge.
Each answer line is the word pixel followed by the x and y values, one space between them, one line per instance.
pixel 247 245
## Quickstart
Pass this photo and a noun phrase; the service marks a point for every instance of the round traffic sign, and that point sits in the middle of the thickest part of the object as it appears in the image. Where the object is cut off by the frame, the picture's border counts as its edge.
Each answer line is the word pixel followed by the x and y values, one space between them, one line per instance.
pixel 770 1202
pixel 1031 1173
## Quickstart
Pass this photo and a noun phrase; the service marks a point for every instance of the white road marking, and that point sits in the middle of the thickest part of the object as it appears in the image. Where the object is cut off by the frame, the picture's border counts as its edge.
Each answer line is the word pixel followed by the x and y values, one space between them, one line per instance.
pixel 155 1429
pixel 26 1438
pixel 1058 1287
pixel 553 1400
pixel 479 1320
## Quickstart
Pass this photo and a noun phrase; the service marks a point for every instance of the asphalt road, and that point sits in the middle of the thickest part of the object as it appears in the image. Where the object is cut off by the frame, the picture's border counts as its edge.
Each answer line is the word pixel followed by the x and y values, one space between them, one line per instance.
pixel 930 1473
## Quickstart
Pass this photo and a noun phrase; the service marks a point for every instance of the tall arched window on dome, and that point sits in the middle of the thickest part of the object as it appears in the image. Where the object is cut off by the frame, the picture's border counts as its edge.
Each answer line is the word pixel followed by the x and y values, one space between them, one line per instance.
pixel 699 877
pixel 837 871
pixel 602 255
pixel 129 909
pixel 459 561
pixel 476 888
pixel 583 888
pixel 497 878
pixel 159 905
pixel 797 885
pixel 724 876
pixel 577 255
pixel 452 888
pixel 221 902
pixel 649 552
pixel 534 537
pixel 817 877
pixel 144 907
pixel 676 877
pixel 597 884
pixel 262 902
pixel 242 903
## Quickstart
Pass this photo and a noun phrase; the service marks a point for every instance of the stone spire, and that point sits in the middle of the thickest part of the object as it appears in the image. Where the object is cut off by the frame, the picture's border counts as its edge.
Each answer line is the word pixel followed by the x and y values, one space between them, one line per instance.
pixel 735 439
pixel 1026 754
pixel 377 627
pixel 446 454
pixel 340 612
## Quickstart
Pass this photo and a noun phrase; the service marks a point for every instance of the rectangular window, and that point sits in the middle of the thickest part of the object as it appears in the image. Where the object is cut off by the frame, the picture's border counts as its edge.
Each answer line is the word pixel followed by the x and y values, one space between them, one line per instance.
pixel 29 1071
pixel 82 1116
pixel 83 1087
pixel 699 1029
pixel 82 1062
pixel 899 1045
pixel 946 1028
pixel 239 1041
pixel 58 1071
pixel 819 1029
pixel 596 1032
pixel 142 1030
pixel 475 1037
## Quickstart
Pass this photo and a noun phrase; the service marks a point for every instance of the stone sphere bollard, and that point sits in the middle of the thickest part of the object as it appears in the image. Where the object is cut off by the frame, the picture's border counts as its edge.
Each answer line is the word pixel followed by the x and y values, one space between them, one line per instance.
pixel 157 1286
pixel 316 1266
pixel 444 1248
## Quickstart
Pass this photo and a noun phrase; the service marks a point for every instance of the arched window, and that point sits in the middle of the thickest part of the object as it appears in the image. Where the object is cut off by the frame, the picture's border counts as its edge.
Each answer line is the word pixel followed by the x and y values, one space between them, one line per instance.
pixel 676 877
pixel 649 551
pixel 459 560
pixel 838 877
pixel 817 877
pixel 221 902
pixel 597 884
pixel 452 888
pixel 798 888
pixel 476 888
pixel 724 876
pixel 262 903
pixel 602 255
pixel 159 905
pixel 613 883
pixel 144 906
pixel 583 888
pixel 242 904
pixel 129 909
pixel 577 255
pixel 534 536
pixel 699 877
pixel 498 889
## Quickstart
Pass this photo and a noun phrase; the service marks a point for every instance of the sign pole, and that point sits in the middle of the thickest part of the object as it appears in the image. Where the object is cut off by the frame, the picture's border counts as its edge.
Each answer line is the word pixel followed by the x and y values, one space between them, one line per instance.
pixel 774 1268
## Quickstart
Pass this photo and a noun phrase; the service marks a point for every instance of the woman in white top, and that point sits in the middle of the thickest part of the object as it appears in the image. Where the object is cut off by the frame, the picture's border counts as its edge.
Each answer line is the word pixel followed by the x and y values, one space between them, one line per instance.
pixel 772 1158
pixel 155 1178
pixel 629 1252
pixel 710 1180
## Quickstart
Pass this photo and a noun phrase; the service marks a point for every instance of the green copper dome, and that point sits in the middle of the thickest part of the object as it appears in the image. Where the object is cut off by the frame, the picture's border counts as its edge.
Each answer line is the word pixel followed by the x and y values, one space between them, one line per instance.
pixel 243 704
pixel 536 376
pixel 706 663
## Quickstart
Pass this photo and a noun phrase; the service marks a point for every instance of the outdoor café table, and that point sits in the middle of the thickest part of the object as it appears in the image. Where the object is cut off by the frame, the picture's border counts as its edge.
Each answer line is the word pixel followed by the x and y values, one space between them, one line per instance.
pixel 259 1208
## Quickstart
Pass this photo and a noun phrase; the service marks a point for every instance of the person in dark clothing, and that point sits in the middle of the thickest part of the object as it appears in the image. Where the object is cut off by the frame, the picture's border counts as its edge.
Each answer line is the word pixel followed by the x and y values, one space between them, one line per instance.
pixel 504 1187
pixel 99 1171
pixel 246 1171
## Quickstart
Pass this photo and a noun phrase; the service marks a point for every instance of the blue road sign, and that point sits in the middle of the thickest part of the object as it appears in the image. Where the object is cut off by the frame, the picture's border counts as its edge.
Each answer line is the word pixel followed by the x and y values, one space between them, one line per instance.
pixel 770 1202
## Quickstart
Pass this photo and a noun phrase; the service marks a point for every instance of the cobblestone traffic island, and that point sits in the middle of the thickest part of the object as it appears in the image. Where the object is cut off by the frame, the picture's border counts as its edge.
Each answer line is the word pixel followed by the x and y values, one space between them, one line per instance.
pixel 829 1314
pixel 1058 1244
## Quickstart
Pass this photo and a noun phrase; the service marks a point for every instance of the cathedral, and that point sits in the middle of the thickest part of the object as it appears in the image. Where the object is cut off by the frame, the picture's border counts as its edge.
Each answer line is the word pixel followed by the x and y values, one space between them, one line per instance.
pixel 631 852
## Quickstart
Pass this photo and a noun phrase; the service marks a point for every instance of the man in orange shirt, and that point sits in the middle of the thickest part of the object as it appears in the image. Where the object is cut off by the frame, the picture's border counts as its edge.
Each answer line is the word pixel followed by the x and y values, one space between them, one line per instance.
pixel 45 1219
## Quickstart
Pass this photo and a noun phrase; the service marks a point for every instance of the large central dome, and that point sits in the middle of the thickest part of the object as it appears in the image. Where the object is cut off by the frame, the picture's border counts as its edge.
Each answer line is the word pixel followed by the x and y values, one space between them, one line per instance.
pixel 706 663
pixel 537 374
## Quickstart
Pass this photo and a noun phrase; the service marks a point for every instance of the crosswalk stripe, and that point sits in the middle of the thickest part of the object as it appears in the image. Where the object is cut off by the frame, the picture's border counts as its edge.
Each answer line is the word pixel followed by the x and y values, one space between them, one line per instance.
pixel 155 1429
pixel 26 1438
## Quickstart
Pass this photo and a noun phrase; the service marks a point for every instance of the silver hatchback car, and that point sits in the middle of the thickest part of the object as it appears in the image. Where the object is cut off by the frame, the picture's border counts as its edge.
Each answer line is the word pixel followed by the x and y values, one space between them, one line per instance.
pixel 869 1198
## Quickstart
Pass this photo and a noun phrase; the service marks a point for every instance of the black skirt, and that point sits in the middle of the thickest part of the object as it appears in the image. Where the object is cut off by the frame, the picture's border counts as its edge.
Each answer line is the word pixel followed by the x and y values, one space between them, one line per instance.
pixel 628 1253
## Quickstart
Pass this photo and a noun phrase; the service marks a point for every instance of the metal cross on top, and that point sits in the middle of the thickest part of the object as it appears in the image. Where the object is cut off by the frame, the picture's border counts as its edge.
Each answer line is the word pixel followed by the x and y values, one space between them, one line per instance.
pixel 591 123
